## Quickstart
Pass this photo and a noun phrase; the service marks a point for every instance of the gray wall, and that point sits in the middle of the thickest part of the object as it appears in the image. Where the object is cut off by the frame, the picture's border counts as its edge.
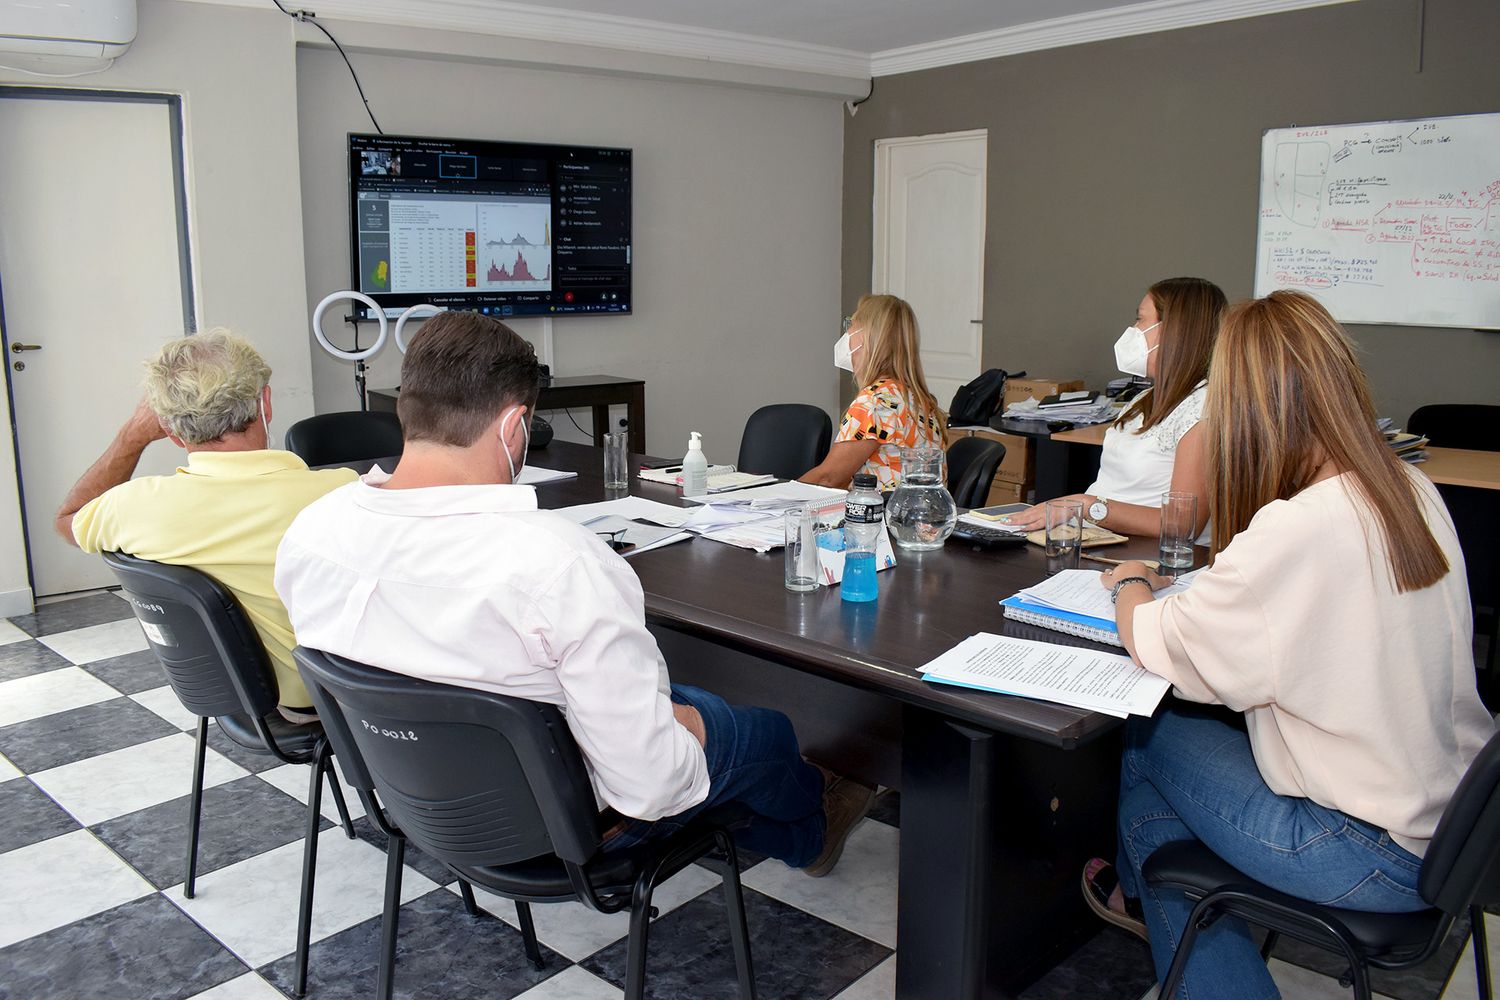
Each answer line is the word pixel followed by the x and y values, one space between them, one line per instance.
pixel 736 226
pixel 1118 163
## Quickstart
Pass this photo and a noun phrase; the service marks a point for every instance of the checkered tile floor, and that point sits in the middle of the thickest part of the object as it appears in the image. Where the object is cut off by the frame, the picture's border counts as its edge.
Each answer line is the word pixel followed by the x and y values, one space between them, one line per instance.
pixel 97 758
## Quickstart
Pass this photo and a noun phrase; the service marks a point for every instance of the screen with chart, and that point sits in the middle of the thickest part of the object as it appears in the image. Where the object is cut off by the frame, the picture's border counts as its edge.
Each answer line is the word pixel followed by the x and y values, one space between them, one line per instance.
pixel 502 228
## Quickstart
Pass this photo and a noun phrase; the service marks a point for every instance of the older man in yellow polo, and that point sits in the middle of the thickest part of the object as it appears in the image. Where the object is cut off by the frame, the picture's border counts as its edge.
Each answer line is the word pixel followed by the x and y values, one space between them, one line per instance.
pixel 225 511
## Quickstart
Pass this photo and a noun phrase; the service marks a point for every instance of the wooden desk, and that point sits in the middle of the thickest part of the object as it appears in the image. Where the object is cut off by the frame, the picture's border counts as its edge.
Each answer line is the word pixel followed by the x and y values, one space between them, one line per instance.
pixel 1002 799
pixel 598 392
pixel 1451 466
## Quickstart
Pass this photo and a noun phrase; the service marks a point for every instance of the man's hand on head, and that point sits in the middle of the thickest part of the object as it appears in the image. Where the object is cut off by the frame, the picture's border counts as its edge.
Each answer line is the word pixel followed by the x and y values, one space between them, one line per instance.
pixel 144 425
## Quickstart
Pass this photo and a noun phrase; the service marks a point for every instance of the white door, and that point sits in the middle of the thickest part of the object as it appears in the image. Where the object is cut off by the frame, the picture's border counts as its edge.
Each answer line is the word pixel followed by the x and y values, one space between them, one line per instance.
pixel 929 246
pixel 90 270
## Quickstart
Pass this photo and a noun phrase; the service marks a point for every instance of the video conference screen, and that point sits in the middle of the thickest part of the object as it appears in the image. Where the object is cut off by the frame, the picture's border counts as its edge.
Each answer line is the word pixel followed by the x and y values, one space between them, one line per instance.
pixel 501 228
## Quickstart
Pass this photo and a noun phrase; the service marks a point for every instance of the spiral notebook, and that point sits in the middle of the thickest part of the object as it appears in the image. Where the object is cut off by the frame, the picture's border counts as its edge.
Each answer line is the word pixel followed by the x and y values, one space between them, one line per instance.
pixel 1084 626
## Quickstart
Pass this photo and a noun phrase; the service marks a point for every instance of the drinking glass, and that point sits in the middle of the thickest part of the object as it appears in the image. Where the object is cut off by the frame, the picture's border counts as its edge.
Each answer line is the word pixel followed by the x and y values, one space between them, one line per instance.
pixel 801 552
pixel 1179 522
pixel 1064 534
pixel 616 462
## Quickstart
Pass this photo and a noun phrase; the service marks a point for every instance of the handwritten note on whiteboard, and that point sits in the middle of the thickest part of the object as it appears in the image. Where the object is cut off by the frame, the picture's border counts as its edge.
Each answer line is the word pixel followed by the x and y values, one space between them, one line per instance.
pixel 1385 222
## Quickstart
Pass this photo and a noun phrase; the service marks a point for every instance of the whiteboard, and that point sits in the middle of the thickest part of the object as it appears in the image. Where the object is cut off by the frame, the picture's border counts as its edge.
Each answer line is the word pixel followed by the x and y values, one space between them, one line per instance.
pixel 1385 222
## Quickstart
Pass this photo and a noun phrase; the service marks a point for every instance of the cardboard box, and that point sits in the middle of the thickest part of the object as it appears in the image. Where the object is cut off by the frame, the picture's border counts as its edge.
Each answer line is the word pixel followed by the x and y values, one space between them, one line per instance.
pixel 1017 389
pixel 1019 463
pixel 1002 492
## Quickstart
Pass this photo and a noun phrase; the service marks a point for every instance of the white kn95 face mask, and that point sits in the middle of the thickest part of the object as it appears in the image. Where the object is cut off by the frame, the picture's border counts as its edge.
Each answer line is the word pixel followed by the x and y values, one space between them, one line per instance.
pixel 1131 350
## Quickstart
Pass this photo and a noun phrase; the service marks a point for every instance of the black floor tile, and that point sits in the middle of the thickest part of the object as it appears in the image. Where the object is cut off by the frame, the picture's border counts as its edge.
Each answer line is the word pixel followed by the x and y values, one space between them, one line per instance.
pixel 27 657
pixel 241 819
pixel 131 673
pixel 64 616
pixel 796 955
pixel 28 816
pixel 248 759
pixel 365 830
pixel 79 733
pixel 1112 965
pixel 887 808
pixel 441 951
pixel 145 948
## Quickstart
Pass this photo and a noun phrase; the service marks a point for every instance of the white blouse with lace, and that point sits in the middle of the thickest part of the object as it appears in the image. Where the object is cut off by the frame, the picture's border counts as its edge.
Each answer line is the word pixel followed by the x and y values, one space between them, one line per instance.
pixel 1137 467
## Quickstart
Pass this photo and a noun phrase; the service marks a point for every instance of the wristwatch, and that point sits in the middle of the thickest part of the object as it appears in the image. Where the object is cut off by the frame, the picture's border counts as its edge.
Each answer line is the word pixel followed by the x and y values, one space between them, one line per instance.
pixel 1114 593
pixel 1098 510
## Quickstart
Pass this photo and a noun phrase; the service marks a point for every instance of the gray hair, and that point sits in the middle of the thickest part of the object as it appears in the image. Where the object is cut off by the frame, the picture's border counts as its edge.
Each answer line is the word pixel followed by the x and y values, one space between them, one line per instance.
pixel 206 386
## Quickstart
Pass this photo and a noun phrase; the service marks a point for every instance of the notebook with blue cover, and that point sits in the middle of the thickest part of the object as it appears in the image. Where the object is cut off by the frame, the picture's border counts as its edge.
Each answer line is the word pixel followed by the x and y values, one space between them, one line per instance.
pixel 1084 626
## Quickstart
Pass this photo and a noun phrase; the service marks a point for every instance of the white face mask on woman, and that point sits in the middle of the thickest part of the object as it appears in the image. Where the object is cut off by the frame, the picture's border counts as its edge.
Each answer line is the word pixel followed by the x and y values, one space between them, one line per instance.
pixel 515 467
pixel 843 356
pixel 1131 350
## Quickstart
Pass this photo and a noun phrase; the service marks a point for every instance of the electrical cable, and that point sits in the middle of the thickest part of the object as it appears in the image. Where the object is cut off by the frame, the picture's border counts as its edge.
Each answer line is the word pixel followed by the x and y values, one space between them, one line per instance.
pixel 855 104
pixel 308 17
pixel 575 424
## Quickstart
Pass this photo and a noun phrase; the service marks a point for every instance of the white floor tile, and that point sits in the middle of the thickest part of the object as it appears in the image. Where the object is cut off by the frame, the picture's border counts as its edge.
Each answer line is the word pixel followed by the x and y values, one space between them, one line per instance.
pixel 251 907
pixel 55 882
pixel 575 931
pixel 55 691
pixel 164 703
pixel 247 987
pixel 573 983
pixel 10 633
pixel 292 779
pixel 123 781
pixel 98 642
pixel 1304 984
pixel 1463 985
pixel 8 770
pixel 859 895
pixel 877 984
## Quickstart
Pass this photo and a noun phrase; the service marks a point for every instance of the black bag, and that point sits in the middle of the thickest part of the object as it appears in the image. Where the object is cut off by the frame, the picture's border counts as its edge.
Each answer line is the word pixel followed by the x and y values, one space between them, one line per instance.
pixel 975 403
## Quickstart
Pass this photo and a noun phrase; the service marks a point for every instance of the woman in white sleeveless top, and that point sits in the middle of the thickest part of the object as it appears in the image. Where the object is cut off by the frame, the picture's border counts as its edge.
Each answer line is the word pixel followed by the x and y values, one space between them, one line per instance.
pixel 1155 445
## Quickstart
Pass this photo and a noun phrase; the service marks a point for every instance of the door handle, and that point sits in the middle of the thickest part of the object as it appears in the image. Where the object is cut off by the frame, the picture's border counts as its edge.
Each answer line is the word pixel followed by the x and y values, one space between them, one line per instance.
pixel 976 321
pixel 18 348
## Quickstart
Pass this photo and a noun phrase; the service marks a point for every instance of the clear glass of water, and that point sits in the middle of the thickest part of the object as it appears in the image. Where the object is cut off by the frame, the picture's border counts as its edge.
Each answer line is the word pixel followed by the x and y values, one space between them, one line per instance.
pixel 801 550
pixel 1179 527
pixel 921 513
pixel 1064 534
pixel 616 462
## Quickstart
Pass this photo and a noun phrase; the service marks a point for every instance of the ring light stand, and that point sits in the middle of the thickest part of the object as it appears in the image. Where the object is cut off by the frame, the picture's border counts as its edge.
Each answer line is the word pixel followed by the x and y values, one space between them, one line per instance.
pixel 358 357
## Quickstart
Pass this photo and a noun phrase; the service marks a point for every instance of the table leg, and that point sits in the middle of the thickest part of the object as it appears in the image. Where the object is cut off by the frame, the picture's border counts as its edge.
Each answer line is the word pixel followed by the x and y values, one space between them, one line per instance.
pixel 601 423
pixel 635 412
pixel 1051 469
pixel 994 831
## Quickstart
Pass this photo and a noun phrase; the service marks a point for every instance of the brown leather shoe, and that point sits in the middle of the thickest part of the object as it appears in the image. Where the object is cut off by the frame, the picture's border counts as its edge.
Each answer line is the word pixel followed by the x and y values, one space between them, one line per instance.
pixel 845 803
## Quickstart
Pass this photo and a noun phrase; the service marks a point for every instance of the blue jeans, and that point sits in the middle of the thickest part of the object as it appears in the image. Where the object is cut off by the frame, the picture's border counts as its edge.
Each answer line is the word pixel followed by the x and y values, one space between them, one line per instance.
pixel 1188 776
pixel 753 760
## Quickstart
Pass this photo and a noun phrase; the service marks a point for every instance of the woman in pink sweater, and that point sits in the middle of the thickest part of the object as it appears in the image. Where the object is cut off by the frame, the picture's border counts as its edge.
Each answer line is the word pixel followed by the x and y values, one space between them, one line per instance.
pixel 1335 616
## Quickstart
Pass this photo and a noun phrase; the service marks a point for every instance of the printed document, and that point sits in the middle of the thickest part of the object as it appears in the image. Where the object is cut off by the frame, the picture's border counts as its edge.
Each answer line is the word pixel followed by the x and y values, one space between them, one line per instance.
pixel 1081 592
pixel 1068 675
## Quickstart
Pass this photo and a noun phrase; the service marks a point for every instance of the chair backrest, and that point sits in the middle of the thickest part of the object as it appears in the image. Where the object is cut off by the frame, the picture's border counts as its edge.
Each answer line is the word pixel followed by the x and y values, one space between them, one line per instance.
pixel 1460 867
pixel 472 778
pixel 972 463
pixel 212 657
pixel 1475 426
pixel 785 440
pixel 330 438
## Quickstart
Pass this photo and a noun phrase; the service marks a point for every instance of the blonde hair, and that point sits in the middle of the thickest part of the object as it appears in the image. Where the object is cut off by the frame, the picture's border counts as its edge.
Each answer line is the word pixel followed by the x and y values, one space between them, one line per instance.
pixel 1285 395
pixel 892 349
pixel 207 385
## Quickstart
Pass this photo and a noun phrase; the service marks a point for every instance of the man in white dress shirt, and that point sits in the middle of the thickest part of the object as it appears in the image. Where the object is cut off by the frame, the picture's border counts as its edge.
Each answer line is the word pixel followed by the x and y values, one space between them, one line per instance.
pixel 446 570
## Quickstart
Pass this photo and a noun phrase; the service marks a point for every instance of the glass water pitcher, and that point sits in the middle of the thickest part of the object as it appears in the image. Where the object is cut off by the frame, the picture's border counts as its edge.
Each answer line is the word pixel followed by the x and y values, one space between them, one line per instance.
pixel 921 513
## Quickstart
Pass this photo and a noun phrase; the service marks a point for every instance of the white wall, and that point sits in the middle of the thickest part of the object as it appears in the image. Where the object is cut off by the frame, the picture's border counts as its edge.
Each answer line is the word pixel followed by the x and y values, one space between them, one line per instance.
pixel 236 70
pixel 736 226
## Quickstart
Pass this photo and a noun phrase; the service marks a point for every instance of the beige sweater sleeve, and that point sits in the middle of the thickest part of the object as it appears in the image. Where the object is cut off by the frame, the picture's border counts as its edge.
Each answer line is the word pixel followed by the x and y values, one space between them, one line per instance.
pixel 1211 642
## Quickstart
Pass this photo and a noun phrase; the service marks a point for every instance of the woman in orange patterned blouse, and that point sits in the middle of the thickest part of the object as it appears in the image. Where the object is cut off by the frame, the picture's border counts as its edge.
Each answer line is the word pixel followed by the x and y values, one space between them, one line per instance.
pixel 894 408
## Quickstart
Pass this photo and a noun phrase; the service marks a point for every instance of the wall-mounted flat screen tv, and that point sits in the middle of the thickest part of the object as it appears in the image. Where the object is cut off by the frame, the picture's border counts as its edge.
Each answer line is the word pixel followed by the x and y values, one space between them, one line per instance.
pixel 502 228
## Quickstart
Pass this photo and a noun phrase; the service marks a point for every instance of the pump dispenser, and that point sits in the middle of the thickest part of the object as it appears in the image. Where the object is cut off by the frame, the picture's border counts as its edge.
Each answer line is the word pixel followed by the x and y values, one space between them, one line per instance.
pixel 694 467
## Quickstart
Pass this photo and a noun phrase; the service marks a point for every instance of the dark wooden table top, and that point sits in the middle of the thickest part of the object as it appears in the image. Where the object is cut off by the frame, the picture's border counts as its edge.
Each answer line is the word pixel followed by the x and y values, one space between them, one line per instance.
pixel 928 603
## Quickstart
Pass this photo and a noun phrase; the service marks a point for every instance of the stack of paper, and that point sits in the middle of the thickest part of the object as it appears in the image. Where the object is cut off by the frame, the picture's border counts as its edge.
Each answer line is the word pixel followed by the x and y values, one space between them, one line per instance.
pixel 1093 410
pixel 533 475
pixel 644 537
pixel 636 521
pixel 1082 678
pixel 775 497
pixel 1076 602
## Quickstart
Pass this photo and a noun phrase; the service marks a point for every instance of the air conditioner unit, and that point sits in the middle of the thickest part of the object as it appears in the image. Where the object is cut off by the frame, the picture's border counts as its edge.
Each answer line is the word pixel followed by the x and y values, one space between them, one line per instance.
pixel 87 29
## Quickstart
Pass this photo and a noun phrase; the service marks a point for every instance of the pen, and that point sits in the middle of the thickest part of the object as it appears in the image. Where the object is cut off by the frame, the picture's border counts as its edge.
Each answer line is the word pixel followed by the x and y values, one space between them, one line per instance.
pixel 1116 562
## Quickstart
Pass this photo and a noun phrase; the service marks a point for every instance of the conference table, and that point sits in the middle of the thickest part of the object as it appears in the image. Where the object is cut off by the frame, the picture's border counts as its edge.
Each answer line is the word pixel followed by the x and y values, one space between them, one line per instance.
pixel 1002 799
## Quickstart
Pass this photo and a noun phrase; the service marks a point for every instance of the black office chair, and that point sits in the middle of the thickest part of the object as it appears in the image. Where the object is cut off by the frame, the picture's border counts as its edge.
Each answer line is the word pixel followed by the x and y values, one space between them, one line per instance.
pixel 496 789
pixel 218 668
pixel 972 462
pixel 1476 517
pixel 332 438
pixel 1459 873
pixel 785 440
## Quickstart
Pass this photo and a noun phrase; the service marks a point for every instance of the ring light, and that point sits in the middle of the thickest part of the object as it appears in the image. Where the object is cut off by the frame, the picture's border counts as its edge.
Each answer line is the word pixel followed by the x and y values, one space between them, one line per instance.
pixel 423 308
pixel 317 325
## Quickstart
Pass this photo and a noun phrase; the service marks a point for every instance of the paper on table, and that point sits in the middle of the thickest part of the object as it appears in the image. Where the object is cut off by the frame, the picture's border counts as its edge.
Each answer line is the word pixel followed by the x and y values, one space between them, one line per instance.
pixel 978 522
pixel 644 537
pixel 1079 591
pixel 533 475
pixel 711 517
pixel 635 508
pixel 1082 678
pixel 772 496
pixel 761 535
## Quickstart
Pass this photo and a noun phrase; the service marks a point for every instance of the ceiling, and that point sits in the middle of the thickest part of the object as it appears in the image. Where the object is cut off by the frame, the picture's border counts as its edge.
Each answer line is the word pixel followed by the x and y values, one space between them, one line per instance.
pixel 865 26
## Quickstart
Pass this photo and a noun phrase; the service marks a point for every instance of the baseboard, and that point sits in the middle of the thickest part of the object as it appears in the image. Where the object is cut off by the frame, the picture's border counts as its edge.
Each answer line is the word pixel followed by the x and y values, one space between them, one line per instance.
pixel 16 602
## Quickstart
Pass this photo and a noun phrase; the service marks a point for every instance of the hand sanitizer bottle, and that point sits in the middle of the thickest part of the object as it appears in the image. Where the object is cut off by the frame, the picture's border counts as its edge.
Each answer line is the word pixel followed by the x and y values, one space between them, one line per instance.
pixel 694 468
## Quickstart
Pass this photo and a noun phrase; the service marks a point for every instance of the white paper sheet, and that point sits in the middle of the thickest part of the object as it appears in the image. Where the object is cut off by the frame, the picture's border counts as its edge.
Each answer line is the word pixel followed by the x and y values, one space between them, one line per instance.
pixel 533 475
pixel 1081 592
pixel 770 497
pixel 635 508
pixel 644 537
pixel 1068 675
